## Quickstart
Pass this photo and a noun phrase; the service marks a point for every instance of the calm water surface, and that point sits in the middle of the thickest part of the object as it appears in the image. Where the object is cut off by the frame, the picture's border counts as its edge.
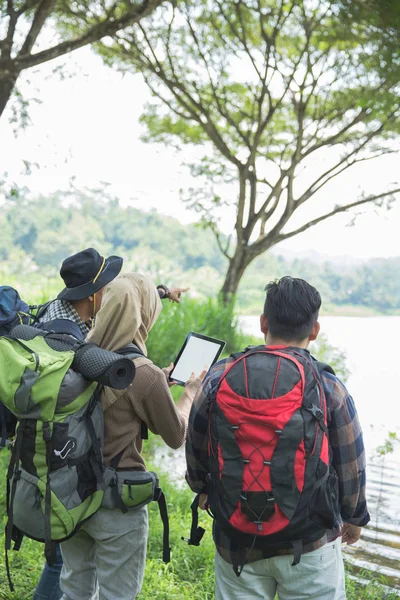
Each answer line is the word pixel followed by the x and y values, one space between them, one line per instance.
pixel 372 350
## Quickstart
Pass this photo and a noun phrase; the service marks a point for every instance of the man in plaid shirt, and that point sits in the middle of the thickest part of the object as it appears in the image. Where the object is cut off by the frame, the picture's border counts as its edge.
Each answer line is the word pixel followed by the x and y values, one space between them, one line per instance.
pixel 289 319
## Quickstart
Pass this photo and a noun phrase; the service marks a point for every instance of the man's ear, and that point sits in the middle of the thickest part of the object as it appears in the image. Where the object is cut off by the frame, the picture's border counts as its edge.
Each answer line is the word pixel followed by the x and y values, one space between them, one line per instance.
pixel 314 332
pixel 263 324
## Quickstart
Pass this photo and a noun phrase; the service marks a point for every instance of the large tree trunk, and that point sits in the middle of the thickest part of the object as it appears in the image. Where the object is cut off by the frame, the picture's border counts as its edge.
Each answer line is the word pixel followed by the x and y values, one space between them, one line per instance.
pixel 7 83
pixel 237 266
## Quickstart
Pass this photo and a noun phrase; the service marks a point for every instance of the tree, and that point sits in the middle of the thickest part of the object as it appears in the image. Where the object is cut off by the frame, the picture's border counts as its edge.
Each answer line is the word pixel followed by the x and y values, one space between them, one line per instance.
pixel 281 97
pixel 379 16
pixel 23 25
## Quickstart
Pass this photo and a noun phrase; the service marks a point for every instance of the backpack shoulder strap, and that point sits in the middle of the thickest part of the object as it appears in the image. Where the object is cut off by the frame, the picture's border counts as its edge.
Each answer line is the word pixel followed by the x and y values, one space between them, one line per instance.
pixel 321 366
pixel 130 351
pixel 40 309
pixel 248 349
pixel 62 326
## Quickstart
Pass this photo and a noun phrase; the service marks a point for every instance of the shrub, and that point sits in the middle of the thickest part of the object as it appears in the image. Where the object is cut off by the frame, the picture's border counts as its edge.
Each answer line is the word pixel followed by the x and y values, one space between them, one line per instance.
pixel 207 317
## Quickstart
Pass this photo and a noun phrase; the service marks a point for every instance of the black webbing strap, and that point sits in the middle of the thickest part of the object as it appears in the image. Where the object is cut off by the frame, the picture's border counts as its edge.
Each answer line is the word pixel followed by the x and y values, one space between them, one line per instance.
pixel 40 308
pixel 317 413
pixel 114 483
pixel 196 532
pixel 97 463
pixel 14 474
pixel 239 559
pixel 3 425
pixel 115 461
pixel 10 583
pixel 162 506
pixel 117 498
pixel 18 536
pixel 49 545
pixel 297 549
pixel 144 431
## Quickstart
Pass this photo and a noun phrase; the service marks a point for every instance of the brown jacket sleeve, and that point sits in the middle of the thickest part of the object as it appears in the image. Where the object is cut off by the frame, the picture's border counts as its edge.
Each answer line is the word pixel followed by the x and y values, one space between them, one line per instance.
pixel 153 403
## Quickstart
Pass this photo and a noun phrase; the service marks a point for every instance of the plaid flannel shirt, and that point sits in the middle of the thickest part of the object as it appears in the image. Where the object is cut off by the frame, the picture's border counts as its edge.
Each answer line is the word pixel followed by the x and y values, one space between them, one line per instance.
pixel 347 452
pixel 62 309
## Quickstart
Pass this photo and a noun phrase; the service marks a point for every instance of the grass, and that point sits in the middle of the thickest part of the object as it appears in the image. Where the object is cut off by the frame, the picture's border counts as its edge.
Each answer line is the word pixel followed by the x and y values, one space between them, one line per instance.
pixel 189 575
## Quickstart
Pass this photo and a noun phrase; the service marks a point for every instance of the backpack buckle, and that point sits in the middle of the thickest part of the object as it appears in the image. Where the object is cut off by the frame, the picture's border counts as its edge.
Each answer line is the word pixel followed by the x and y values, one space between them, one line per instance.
pixel 157 494
pixel 195 537
pixel 315 411
pixel 46 432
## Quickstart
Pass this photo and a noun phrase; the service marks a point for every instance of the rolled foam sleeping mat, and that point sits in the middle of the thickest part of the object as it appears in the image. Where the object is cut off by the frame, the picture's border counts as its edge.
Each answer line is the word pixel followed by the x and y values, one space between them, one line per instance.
pixel 108 368
pixel 93 363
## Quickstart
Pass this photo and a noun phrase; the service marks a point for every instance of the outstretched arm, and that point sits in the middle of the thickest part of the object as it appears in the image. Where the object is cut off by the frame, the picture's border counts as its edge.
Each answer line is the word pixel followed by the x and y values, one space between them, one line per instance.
pixel 173 294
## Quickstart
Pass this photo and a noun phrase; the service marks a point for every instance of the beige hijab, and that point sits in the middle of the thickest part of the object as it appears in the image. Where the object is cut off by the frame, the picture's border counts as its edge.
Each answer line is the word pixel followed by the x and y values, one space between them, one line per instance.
pixel 130 307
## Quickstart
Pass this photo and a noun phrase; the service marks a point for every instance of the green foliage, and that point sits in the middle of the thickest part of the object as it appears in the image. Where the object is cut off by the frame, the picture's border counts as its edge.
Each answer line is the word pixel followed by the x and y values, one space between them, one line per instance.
pixel 361 584
pixel 372 283
pixel 380 20
pixel 38 233
pixel 50 228
pixel 335 357
pixel 208 317
pixel 388 445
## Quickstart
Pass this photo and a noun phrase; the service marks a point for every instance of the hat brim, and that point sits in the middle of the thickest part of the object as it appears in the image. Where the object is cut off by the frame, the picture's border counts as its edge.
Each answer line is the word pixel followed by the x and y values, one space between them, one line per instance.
pixel 112 267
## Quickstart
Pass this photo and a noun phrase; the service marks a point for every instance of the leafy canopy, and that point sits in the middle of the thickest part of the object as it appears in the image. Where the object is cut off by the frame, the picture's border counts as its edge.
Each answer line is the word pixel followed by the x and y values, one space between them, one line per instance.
pixel 282 96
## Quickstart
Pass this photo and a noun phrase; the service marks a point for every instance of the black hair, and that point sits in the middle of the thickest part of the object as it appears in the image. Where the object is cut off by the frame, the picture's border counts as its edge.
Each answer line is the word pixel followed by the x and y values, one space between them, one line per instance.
pixel 291 308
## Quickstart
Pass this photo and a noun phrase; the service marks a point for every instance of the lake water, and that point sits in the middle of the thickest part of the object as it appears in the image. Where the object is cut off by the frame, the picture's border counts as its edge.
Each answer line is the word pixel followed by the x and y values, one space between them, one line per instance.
pixel 372 349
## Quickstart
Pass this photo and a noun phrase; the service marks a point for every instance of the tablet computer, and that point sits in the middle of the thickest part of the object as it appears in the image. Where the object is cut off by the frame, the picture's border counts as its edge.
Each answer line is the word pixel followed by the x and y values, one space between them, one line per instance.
pixel 197 352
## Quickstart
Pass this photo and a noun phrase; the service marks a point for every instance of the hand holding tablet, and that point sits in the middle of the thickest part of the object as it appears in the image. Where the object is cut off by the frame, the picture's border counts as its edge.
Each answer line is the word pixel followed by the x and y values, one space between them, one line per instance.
pixel 197 352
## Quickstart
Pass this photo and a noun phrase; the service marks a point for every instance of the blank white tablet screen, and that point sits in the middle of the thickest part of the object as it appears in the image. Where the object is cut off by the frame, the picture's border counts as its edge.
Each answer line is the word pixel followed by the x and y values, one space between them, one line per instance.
pixel 197 354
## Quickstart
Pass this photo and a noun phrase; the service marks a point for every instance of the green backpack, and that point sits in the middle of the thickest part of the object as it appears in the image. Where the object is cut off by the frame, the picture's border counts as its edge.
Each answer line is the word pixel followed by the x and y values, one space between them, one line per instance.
pixel 56 479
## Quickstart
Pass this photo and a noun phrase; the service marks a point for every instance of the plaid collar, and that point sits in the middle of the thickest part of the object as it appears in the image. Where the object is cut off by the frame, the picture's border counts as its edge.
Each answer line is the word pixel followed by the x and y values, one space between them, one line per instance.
pixel 63 309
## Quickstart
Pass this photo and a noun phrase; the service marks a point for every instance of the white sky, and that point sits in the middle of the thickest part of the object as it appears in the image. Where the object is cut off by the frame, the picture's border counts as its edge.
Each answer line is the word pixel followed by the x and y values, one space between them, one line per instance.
pixel 86 127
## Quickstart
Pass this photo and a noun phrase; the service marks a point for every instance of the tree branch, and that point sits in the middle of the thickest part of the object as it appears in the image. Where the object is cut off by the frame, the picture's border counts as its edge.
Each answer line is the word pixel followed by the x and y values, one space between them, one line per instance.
pixel 337 170
pixel 187 101
pixel 224 113
pixel 333 139
pixel 241 38
pixel 45 9
pixel 335 211
pixel 223 249
pixel 7 42
pixel 93 34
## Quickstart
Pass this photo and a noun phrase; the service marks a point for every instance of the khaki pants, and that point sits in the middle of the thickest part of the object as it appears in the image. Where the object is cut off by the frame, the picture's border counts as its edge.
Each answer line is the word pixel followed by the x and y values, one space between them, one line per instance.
pixel 318 576
pixel 105 559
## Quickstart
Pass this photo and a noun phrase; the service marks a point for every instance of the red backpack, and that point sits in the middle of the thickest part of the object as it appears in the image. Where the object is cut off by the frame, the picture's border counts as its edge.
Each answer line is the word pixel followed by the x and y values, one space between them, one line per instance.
pixel 270 482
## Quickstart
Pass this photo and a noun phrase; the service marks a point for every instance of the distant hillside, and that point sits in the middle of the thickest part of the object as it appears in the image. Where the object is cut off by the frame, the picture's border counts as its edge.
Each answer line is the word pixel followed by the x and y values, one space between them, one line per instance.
pixel 38 233
pixel 317 257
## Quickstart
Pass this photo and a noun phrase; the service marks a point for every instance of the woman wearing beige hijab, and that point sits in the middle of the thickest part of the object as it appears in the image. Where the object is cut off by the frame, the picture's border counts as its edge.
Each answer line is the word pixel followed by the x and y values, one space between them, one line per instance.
pixel 105 560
